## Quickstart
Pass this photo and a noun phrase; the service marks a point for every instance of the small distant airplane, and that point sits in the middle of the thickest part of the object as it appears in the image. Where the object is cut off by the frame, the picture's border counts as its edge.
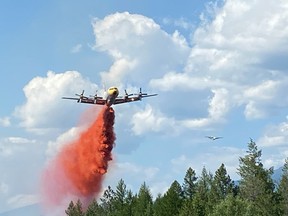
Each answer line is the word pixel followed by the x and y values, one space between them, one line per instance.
pixel 111 98
pixel 213 137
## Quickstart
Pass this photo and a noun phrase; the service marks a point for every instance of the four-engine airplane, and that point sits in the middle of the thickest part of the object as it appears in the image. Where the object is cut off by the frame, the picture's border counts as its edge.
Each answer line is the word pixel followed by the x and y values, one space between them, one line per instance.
pixel 112 97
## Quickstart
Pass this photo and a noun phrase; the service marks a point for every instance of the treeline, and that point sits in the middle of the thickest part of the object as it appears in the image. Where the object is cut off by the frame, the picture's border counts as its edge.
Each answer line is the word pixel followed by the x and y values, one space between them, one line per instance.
pixel 208 194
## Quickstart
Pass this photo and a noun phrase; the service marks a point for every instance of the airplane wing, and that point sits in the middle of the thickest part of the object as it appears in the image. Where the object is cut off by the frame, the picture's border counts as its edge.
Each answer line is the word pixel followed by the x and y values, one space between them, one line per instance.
pixel 98 100
pixel 148 95
pixel 131 99
pixel 125 100
pixel 70 98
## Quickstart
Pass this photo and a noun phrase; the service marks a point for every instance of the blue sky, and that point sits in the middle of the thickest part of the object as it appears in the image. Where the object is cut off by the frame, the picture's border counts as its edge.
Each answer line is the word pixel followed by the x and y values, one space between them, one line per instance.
pixel 219 68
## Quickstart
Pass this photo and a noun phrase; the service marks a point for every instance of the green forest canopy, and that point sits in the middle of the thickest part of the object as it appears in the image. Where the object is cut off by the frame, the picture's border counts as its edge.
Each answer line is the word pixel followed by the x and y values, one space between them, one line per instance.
pixel 208 194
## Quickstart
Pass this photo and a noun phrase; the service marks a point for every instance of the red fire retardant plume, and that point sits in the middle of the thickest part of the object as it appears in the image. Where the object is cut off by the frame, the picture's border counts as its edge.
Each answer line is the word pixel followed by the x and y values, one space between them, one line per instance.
pixel 79 167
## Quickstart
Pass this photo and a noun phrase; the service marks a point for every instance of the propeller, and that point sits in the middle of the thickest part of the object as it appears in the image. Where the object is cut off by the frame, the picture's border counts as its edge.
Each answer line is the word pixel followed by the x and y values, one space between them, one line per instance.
pixel 81 96
pixel 95 96
pixel 140 94
pixel 126 94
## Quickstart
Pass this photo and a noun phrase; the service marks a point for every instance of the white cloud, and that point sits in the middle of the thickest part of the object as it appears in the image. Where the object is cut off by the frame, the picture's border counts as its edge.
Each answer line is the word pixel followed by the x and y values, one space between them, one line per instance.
pixel 159 187
pixel 55 146
pixel 77 48
pixel 44 109
pixel 184 82
pixel 180 22
pixel 245 25
pixel 11 145
pixel 235 51
pixel 218 108
pixel 149 120
pixel 5 122
pixel 139 45
pixel 211 159
pixel 19 140
pixel 147 172
pixel 275 135
pixel 21 200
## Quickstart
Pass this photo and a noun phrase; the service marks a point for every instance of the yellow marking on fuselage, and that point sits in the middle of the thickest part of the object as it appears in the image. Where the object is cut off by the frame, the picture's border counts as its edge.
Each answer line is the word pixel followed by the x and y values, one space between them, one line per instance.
pixel 113 91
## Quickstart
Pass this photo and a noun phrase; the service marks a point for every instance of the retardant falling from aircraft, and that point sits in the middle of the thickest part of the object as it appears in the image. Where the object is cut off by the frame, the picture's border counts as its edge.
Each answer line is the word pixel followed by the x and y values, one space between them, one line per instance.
pixel 78 169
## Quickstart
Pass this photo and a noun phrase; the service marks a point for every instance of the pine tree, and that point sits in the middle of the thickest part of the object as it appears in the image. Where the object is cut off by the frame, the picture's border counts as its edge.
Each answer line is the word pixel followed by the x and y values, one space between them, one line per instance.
pixel 283 189
pixel 200 202
pixel 231 205
pixel 144 202
pixel 120 203
pixel 130 202
pixel 222 184
pixel 189 185
pixel 74 209
pixel 171 202
pixel 159 207
pixel 94 209
pixel 189 190
pixel 256 185
pixel 107 201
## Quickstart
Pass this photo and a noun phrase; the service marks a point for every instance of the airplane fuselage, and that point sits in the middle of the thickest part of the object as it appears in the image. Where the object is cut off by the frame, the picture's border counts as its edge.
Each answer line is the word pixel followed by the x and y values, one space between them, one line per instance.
pixel 112 94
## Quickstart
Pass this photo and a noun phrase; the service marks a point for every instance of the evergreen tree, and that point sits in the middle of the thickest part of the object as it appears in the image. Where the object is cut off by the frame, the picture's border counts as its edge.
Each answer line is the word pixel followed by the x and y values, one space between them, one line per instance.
pixel 189 185
pixel 94 209
pixel 158 207
pixel 189 190
pixel 283 189
pixel 107 201
pixel 74 209
pixel 222 185
pixel 187 208
pixel 200 202
pixel 256 184
pixel 231 205
pixel 171 202
pixel 130 202
pixel 144 202
pixel 120 200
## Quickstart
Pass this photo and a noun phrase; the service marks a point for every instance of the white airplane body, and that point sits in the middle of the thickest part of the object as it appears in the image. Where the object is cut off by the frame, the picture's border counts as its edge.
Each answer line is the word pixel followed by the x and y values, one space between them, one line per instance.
pixel 213 137
pixel 111 98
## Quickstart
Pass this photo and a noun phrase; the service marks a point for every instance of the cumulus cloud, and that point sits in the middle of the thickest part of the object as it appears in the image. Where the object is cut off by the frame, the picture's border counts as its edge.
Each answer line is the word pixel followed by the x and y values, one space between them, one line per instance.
pixel 55 146
pixel 235 51
pixel 43 109
pixel 218 107
pixel 139 46
pixel 275 135
pixel 11 145
pixel 150 120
